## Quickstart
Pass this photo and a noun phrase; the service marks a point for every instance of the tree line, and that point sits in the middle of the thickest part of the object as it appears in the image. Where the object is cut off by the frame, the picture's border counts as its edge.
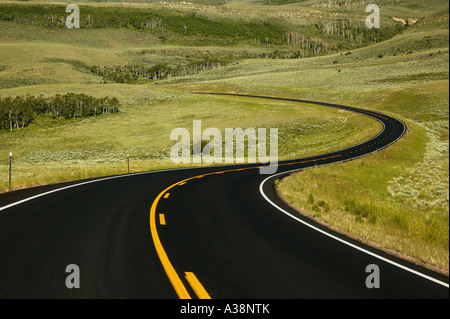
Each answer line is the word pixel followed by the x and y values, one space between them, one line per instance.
pixel 19 112
pixel 350 34
pixel 174 25
pixel 132 73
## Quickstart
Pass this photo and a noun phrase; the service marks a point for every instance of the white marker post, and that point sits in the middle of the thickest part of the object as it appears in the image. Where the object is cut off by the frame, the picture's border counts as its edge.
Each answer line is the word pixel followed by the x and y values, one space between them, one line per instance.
pixel 10 166
pixel 128 160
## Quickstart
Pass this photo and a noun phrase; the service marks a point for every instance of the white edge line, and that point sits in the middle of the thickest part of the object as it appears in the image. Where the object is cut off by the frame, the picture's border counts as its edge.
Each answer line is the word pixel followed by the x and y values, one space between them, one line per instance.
pixel 346 242
pixel 339 239
pixel 89 182
pixel 64 188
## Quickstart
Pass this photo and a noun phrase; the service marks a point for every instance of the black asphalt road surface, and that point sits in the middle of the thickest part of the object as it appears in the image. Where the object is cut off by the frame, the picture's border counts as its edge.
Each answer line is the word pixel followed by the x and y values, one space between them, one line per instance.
pixel 219 227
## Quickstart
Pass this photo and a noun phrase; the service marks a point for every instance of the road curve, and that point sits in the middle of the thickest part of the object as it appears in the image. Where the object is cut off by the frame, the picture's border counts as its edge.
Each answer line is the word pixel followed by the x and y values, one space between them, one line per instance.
pixel 211 232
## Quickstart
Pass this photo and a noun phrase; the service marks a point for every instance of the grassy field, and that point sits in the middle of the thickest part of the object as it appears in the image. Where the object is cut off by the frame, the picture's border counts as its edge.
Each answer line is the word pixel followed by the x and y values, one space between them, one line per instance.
pixel 396 199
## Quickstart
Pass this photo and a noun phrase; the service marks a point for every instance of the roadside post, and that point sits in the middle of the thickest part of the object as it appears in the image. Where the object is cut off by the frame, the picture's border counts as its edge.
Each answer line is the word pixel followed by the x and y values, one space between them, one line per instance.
pixel 10 167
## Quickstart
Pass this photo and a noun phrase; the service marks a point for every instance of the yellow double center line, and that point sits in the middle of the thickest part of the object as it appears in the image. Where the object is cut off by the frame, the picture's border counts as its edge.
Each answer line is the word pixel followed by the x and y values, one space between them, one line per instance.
pixel 178 285
pixel 170 271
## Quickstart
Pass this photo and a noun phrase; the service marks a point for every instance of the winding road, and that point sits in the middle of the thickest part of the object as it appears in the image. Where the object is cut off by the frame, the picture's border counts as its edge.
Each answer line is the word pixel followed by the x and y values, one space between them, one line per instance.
pixel 210 232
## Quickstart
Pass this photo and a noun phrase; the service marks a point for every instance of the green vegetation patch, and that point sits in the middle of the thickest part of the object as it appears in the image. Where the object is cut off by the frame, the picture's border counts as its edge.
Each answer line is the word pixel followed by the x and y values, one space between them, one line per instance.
pixel 19 112
pixel 165 23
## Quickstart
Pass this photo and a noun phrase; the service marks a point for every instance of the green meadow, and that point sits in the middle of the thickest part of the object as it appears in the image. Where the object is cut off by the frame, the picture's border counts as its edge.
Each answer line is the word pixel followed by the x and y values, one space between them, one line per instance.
pixel 396 199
